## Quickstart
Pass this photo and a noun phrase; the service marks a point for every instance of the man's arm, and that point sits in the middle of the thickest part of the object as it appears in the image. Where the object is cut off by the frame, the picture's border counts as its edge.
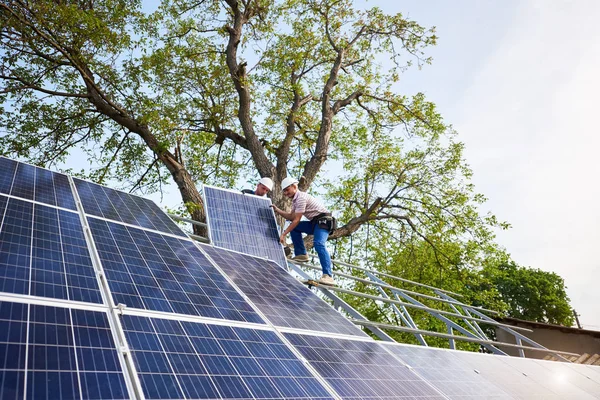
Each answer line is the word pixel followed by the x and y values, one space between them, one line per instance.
pixel 291 227
pixel 290 216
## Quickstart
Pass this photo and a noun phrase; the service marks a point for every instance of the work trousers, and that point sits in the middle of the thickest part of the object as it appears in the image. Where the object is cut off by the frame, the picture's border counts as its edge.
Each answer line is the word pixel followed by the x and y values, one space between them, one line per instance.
pixel 320 238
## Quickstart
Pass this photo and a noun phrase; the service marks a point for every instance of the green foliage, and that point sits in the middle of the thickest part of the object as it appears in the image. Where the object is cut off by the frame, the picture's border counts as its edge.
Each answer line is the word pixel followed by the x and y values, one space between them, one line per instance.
pixel 531 294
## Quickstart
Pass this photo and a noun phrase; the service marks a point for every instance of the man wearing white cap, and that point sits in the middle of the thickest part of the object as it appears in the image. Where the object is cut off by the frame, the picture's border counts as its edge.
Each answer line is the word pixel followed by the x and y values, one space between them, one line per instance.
pixel 320 224
pixel 264 186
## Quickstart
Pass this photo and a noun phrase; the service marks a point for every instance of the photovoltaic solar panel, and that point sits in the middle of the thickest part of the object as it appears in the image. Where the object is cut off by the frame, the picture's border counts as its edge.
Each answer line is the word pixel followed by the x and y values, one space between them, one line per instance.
pixel 43 253
pixel 558 381
pixel 361 369
pixel 243 223
pixel 512 381
pixel 57 353
pixel 447 373
pixel 284 300
pixel 177 359
pixel 150 271
pixel 119 206
pixel 33 183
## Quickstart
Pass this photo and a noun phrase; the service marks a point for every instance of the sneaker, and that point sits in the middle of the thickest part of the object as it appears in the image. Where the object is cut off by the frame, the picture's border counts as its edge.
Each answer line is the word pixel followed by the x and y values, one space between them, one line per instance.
pixel 301 258
pixel 327 280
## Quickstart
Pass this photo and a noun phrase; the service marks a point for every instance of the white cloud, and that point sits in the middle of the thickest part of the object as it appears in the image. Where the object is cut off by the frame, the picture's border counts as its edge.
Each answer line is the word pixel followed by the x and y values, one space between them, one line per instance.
pixel 529 120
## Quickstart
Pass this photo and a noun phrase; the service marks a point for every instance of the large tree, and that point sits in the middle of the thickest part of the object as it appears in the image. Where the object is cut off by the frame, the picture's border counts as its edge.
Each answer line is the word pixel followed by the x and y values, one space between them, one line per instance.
pixel 209 91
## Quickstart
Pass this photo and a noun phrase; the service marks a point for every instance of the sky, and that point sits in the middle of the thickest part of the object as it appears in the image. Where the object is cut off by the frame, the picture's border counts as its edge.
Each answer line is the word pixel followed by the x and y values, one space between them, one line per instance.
pixel 518 80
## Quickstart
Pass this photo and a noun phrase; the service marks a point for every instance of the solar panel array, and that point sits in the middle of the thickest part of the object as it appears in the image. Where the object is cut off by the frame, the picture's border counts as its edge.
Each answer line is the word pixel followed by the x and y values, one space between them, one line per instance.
pixel 243 223
pixel 107 299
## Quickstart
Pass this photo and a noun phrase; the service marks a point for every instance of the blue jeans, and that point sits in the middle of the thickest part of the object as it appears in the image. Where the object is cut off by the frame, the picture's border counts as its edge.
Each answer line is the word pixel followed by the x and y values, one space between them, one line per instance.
pixel 320 237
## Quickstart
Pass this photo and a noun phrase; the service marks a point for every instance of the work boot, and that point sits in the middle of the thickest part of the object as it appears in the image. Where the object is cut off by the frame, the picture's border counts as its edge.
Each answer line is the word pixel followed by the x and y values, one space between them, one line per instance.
pixel 301 258
pixel 327 280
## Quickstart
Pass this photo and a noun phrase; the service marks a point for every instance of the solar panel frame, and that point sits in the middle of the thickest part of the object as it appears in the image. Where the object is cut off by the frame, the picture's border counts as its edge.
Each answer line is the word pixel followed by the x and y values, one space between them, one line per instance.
pixel 361 369
pixel 153 271
pixel 129 209
pixel 245 227
pixel 283 300
pixel 44 253
pixel 442 369
pixel 199 360
pixel 37 184
pixel 56 351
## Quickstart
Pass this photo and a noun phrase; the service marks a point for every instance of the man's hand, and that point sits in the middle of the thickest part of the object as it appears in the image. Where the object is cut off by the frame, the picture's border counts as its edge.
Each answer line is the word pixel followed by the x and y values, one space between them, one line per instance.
pixel 277 210
pixel 282 238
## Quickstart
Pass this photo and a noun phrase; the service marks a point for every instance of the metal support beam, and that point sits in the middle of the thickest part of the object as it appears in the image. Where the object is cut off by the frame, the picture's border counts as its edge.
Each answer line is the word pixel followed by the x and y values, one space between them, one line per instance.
pixel 345 306
pixel 511 330
pixel 462 338
pixel 190 221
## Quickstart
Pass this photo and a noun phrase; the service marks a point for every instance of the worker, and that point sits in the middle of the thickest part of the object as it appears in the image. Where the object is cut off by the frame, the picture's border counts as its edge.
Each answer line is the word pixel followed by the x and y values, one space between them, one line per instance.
pixel 320 224
pixel 264 186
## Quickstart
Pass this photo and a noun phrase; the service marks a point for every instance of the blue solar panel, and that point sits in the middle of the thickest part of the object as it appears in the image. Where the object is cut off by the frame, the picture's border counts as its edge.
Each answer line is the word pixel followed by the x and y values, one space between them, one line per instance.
pixel 446 372
pixel 57 353
pixel 43 252
pixel 177 360
pixel 150 271
pixel 33 183
pixel 361 370
pixel 243 223
pixel 119 206
pixel 285 301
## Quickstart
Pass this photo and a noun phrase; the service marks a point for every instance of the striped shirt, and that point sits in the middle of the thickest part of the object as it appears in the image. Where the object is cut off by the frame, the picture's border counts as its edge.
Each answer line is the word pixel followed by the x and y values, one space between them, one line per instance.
pixel 303 203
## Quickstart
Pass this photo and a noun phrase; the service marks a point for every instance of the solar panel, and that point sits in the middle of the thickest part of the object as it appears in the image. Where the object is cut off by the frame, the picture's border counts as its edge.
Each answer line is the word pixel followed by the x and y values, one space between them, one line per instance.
pixel 178 359
pixel 512 381
pixel 151 271
pixel 43 252
pixel 557 379
pixel 243 223
pixel 60 353
pixel 284 300
pixel 115 205
pixel 361 369
pixel 33 183
pixel 446 372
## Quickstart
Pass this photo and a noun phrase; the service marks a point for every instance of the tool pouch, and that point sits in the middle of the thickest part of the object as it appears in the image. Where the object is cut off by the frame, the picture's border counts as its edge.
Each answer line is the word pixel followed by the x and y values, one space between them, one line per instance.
pixel 327 222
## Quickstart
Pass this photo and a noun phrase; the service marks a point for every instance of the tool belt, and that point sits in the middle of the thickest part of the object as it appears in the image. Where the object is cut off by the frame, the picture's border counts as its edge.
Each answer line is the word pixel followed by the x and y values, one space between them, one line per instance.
pixel 325 221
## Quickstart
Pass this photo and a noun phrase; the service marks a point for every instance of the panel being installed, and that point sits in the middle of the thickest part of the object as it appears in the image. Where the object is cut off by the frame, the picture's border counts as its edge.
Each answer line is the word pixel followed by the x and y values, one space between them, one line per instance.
pixel 119 206
pixel 243 223
pixel 361 369
pixel 33 183
pixel 43 252
pixel 57 353
pixel 178 359
pixel 446 372
pixel 284 300
pixel 150 271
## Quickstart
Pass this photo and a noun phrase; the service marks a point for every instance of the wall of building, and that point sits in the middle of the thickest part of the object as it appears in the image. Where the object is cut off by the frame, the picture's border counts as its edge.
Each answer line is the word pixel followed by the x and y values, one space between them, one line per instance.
pixel 566 339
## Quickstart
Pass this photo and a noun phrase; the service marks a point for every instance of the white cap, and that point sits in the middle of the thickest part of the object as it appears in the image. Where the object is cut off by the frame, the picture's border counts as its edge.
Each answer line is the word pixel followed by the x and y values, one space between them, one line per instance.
pixel 287 182
pixel 267 182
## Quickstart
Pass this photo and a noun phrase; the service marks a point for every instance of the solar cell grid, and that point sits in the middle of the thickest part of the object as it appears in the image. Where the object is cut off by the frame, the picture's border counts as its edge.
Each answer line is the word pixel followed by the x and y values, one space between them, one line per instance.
pixel 284 300
pixel 361 369
pixel 443 370
pixel 33 183
pixel 43 253
pixel 59 353
pixel 150 271
pixel 199 361
pixel 119 206
pixel 243 223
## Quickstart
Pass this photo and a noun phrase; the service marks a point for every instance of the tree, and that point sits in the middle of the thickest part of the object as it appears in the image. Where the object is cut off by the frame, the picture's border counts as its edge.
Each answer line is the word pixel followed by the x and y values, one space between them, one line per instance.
pixel 208 91
pixel 531 294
